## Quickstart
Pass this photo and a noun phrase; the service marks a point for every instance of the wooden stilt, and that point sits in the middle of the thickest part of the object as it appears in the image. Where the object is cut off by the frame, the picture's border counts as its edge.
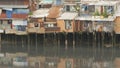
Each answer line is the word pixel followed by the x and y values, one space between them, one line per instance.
pixel 44 43
pixel 28 43
pixel 22 42
pixel 0 42
pixel 73 40
pixel 55 38
pixel 36 42
pixel 66 41
pixel 15 43
pixel 58 39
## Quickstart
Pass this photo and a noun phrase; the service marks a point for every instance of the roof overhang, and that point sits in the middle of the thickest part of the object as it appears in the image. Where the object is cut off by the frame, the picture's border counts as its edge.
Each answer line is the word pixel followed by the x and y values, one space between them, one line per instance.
pixel 13 6
pixel 106 3
pixel 95 19
pixel 68 16
pixel 40 13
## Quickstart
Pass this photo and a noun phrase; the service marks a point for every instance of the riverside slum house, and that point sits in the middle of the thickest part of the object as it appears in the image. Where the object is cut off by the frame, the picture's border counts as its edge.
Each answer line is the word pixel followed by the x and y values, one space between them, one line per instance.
pixel 97 16
pixel 13 16
pixel 66 21
pixel 117 21
pixel 56 16
pixel 88 16
pixel 43 20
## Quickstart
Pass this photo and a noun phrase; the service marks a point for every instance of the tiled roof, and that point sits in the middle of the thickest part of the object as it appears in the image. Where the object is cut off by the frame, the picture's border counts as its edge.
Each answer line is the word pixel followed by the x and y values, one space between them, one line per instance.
pixel 54 12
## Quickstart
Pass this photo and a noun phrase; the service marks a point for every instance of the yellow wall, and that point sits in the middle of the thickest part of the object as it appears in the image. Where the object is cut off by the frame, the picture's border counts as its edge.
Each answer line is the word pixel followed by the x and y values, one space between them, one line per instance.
pixel 61 24
pixel 62 63
pixel 117 25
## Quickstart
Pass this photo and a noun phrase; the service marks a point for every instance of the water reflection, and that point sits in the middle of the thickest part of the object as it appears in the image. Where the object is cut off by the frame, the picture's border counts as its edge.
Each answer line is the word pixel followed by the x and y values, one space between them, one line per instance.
pixel 29 52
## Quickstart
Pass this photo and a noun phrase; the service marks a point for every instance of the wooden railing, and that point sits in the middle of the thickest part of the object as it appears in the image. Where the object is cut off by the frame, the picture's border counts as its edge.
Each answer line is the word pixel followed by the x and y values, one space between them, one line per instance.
pixel 52 29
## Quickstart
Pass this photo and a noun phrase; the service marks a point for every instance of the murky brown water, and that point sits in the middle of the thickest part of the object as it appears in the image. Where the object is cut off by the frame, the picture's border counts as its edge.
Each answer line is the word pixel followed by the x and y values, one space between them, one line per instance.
pixel 48 53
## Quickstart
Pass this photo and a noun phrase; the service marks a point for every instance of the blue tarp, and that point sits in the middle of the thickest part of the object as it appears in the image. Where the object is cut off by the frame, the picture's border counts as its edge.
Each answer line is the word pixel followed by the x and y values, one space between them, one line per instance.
pixel 9 14
pixel 58 2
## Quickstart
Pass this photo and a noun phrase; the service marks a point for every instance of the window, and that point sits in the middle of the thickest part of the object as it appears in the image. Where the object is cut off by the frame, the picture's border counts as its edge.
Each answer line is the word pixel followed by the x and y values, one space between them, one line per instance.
pixel 109 9
pixel 68 24
pixel 68 64
pixel 49 25
pixel 91 8
pixel 69 8
pixel 9 21
pixel 1 22
pixel 84 8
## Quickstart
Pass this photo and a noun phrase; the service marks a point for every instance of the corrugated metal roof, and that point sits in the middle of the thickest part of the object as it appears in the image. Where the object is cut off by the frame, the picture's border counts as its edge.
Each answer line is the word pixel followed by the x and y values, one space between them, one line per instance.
pixel 46 2
pixel 40 13
pixel 21 16
pixel 14 3
pixel 68 16
pixel 105 3
pixel 117 13
pixel 90 18
pixel 54 12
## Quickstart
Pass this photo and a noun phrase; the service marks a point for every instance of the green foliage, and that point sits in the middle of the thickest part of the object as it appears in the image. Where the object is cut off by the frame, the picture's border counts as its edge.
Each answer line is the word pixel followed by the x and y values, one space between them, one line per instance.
pixel 105 14
pixel 77 8
pixel 97 13
pixel 30 13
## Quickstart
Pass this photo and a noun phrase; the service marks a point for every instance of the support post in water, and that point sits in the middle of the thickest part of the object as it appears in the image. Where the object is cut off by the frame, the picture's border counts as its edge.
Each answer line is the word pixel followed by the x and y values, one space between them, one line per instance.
pixel 28 43
pixel 73 39
pixel 0 42
pixel 66 41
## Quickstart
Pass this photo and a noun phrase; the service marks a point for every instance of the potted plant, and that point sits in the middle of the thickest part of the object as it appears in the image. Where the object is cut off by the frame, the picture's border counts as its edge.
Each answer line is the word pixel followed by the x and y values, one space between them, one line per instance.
pixel 77 8
pixel 105 14
pixel 97 14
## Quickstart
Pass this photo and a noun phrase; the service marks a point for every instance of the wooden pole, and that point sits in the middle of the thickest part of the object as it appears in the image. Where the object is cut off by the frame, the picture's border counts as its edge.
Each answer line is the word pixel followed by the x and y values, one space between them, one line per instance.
pixel 22 41
pixel 15 40
pixel 36 42
pixel 73 40
pixel 0 42
pixel 58 39
pixel 28 42
pixel 44 43
pixel 66 41
pixel 112 43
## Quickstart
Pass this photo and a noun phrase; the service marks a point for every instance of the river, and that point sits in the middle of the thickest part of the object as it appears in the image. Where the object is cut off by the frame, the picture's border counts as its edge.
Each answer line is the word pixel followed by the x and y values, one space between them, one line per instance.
pixel 51 51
